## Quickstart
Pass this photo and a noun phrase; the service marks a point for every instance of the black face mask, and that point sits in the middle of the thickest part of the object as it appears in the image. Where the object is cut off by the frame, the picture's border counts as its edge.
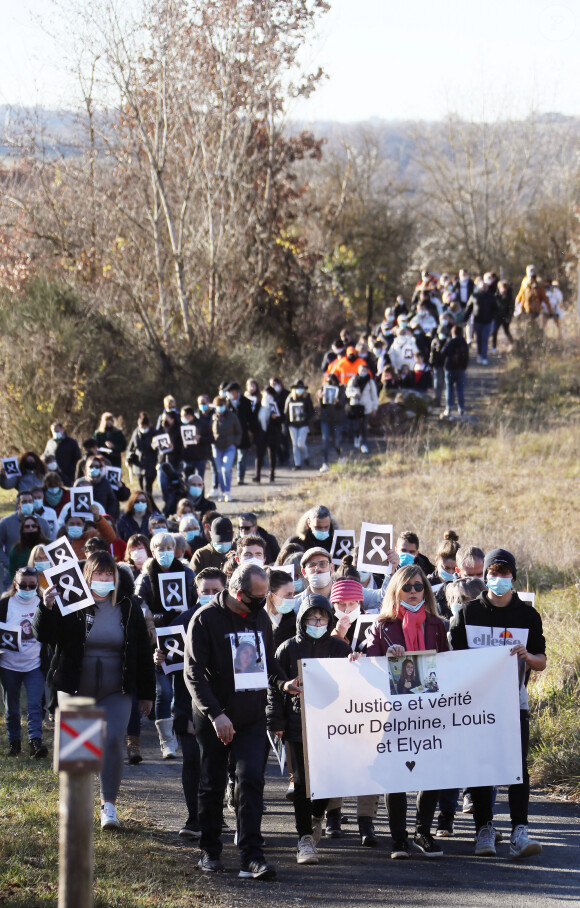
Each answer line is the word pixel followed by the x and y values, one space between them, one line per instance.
pixel 351 358
pixel 255 603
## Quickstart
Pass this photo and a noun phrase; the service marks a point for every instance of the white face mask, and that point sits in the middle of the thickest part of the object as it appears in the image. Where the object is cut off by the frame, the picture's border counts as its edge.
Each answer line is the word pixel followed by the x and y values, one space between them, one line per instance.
pixel 352 616
pixel 319 581
pixel 253 560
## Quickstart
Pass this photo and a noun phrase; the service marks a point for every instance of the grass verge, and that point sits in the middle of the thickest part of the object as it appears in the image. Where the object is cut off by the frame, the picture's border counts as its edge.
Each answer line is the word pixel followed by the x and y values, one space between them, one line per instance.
pixel 136 867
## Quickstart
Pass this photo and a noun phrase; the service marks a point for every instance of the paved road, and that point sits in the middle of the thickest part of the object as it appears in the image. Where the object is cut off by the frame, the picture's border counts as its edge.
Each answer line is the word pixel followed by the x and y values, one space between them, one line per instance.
pixel 350 876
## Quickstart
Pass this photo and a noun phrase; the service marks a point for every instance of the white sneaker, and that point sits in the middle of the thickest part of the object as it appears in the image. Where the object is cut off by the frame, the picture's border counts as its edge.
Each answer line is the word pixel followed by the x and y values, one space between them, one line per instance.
pixel 485 842
pixel 484 362
pixel 364 449
pixel 227 497
pixel 357 441
pixel 306 852
pixel 521 846
pixel 214 493
pixel 323 469
pixel 493 350
pixel 316 829
pixel 109 818
pixel 445 413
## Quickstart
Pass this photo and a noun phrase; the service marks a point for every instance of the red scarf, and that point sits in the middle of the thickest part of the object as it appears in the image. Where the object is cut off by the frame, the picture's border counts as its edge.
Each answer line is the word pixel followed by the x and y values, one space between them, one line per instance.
pixel 412 627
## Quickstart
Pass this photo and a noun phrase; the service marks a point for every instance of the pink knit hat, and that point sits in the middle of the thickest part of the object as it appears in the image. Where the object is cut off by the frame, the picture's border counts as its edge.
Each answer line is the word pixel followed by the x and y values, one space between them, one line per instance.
pixel 346 590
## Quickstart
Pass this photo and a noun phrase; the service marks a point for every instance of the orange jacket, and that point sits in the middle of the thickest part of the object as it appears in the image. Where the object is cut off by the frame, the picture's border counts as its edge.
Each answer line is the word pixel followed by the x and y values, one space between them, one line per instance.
pixel 531 297
pixel 344 369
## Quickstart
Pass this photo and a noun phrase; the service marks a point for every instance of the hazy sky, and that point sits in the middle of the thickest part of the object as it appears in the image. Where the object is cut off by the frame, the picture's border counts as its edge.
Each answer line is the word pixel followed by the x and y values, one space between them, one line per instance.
pixel 383 59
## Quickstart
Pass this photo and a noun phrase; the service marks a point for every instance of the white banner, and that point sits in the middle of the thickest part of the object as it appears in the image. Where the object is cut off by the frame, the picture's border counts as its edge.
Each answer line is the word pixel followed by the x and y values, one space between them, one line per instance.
pixel 425 722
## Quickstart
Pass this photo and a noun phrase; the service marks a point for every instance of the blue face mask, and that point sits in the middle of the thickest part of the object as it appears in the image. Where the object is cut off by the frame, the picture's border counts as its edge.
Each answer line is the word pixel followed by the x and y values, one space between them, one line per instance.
pixel 190 535
pixel 55 490
pixel 499 585
pixel 284 607
pixel 38 504
pixel 159 530
pixel 41 566
pixel 364 576
pixel 95 472
pixel 298 586
pixel 222 547
pixel 26 509
pixel 195 491
pixel 316 632
pixel 74 532
pixel 204 408
pixel 412 608
pixel 205 598
pixel 27 595
pixel 446 576
pixel 164 558
pixel 102 587
pixel 405 558
pixel 220 409
pixel 321 535
pixel 140 507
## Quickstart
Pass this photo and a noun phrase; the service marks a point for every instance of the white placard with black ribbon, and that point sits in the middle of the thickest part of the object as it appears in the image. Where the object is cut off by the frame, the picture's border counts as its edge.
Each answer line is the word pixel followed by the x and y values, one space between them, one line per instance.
pixel 162 442
pixel 11 467
pixel 173 591
pixel 73 592
pixel 10 638
pixel 114 477
pixel 59 551
pixel 171 642
pixel 81 502
pixel 343 542
pixel 189 435
pixel 375 541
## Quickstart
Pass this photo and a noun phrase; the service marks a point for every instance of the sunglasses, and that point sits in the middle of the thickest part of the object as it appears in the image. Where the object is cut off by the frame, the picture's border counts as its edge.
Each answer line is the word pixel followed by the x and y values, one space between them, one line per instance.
pixel 245 526
pixel 407 587
pixel 23 587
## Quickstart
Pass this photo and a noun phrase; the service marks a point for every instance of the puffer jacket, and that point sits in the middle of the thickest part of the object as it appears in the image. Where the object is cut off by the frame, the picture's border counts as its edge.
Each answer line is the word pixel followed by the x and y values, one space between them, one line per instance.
pixel 284 710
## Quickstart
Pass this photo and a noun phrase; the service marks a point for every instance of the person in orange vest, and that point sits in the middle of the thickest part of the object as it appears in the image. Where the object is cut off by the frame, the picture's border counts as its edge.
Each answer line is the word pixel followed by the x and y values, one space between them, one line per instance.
pixel 345 367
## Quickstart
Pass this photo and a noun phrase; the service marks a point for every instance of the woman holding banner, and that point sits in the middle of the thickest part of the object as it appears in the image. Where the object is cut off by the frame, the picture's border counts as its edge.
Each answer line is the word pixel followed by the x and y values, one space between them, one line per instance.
pixel 408 623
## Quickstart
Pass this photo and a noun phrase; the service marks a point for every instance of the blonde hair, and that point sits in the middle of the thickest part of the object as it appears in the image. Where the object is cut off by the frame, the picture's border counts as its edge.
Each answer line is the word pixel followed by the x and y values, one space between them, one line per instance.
pixel 391 601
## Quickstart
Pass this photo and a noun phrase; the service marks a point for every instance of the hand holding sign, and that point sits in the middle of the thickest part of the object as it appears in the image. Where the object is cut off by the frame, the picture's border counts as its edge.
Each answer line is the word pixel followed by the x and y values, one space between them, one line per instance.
pixel 10 466
pixel 72 592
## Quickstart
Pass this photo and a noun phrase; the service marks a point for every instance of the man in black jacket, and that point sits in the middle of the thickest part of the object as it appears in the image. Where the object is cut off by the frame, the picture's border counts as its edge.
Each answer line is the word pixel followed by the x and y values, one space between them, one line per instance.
pixel 483 304
pixel 65 450
pixel 229 662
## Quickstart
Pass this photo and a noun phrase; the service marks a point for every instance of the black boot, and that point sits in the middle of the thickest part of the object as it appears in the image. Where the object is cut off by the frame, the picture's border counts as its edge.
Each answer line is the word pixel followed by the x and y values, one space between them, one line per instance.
pixel 38 749
pixel 15 748
pixel 333 830
pixel 367 832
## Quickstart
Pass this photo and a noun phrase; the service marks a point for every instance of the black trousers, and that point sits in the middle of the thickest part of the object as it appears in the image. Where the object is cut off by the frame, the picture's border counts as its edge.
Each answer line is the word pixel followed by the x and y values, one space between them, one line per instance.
pixel 304 808
pixel 247 752
pixel 190 775
pixel 518 795
pixel 396 805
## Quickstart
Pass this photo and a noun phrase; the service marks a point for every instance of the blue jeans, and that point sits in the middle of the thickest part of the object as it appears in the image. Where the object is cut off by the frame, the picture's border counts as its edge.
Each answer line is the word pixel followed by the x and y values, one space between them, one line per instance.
pixel 163 695
pixel 482 333
pixel 12 683
pixel 329 432
pixel 438 383
pixel 454 378
pixel 224 461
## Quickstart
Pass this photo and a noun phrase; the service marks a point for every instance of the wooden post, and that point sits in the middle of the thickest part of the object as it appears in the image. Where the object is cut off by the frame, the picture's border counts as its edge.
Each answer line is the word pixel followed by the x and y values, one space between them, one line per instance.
pixel 75 856
pixel 77 756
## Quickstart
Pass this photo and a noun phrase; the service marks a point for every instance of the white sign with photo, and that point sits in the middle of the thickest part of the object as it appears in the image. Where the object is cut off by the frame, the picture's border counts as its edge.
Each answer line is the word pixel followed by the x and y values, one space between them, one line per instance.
pixel 249 661
pixel 375 541
pixel 73 592
pixel 10 465
pixel 171 641
pixel 343 542
pixel 173 591
pixel 459 726
pixel 59 551
pixel 10 638
pixel 81 502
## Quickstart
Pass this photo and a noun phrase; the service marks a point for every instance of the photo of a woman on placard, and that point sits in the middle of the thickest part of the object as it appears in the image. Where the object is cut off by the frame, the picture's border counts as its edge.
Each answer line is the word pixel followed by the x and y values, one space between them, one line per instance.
pixel 409 678
pixel 246 657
